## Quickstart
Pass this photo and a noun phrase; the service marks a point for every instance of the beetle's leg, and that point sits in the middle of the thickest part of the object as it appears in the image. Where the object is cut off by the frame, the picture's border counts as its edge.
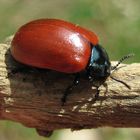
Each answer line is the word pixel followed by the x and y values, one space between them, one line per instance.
pixel 97 93
pixel 91 79
pixel 70 88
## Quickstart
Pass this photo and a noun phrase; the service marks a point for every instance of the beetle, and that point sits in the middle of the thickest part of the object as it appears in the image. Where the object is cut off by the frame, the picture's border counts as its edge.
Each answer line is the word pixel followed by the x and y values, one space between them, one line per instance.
pixel 64 47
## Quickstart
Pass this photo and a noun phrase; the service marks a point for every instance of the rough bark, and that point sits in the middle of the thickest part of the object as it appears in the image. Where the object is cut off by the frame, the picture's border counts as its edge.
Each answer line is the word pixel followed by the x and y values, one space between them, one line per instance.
pixel 32 97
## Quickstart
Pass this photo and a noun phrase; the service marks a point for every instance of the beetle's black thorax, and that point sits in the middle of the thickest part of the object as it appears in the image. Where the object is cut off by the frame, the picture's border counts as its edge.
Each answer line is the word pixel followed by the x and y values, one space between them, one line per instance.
pixel 99 64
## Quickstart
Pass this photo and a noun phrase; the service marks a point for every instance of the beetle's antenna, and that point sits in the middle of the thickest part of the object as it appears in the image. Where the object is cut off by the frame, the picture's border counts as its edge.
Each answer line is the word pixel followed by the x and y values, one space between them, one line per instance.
pixel 120 82
pixel 113 68
pixel 121 60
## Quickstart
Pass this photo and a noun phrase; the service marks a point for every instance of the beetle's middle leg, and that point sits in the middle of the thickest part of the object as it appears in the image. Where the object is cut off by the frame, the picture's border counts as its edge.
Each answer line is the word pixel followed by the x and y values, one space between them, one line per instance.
pixel 70 88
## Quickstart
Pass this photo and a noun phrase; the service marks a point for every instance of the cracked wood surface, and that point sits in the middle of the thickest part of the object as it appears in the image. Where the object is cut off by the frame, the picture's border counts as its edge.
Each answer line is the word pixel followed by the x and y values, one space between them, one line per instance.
pixel 32 97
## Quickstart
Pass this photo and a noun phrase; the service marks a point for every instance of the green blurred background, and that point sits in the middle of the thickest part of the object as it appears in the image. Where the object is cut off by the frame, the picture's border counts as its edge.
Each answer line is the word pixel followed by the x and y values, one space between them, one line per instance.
pixel 117 23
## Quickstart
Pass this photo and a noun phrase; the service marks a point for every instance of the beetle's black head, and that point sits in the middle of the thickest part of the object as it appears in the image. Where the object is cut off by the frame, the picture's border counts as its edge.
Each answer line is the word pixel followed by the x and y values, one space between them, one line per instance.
pixel 99 65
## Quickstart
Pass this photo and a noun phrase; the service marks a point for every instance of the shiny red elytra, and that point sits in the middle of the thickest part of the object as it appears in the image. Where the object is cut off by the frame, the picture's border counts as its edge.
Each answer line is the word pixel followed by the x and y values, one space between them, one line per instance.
pixel 61 46
pixel 53 44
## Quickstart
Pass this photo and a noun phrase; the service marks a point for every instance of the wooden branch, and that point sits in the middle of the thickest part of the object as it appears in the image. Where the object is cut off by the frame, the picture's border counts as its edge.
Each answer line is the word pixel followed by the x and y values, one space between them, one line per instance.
pixel 32 97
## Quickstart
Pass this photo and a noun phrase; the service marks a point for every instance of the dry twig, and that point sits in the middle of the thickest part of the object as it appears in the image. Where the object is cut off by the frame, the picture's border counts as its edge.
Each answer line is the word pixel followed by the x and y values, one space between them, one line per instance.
pixel 32 97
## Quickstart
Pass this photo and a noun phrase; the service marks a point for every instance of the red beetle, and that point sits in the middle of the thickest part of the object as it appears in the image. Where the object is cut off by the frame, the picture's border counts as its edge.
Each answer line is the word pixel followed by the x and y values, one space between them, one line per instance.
pixel 62 46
